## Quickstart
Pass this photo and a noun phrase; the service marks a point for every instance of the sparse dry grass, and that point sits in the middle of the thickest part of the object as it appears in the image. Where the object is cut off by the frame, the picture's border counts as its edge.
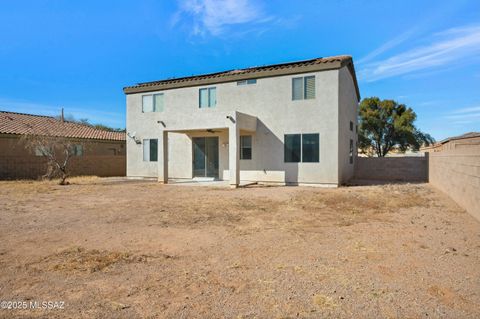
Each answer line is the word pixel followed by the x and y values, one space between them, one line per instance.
pixel 79 260
pixel 323 301
pixel 146 250
pixel 21 187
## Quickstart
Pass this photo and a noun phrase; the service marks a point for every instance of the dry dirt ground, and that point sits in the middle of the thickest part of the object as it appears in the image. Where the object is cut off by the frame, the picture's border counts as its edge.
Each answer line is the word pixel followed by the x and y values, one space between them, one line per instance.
pixel 138 249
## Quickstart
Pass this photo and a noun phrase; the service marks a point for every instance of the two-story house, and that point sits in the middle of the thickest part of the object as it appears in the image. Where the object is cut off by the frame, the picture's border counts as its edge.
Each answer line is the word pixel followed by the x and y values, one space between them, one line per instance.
pixel 292 123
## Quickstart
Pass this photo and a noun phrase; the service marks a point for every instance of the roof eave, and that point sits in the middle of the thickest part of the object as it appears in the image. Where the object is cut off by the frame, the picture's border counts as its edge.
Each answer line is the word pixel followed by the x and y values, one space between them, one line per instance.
pixel 351 69
pixel 66 137
pixel 333 65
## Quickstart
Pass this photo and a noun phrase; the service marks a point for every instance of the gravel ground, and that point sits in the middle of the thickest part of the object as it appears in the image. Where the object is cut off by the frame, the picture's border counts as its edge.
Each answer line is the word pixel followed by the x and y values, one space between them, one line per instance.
pixel 144 250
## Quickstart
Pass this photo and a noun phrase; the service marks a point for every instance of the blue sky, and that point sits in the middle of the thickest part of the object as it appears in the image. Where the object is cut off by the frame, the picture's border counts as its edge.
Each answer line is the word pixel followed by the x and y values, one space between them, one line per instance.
pixel 80 54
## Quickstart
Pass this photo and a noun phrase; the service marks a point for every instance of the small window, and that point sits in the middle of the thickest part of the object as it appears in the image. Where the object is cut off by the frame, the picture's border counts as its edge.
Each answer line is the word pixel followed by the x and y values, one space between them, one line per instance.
pixel 351 152
pixel 207 97
pixel 302 148
pixel 41 151
pixel 152 103
pixel 297 89
pixel 310 148
pixel 147 103
pixel 212 97
pixel 292 148
pixel 77 150
pixel 246 147
pixel 309 87
pixel 303 88
pixel 351 126
pixel 247 82
pixel 150 150
pixel 158 102
pixel 146 150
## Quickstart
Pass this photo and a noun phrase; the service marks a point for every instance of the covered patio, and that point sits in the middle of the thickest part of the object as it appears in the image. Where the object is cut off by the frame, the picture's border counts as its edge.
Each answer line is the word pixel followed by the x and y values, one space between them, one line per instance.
pixel 231 122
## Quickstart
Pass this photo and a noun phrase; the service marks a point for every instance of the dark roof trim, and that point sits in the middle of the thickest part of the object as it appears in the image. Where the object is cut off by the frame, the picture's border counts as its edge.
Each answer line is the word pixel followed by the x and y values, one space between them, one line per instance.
pixel 307 66
pixel 461 137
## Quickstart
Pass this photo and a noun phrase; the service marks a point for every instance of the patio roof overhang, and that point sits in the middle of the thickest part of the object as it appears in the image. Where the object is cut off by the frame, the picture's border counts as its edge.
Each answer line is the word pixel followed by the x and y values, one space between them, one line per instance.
pixel 233 121
pixel 209 121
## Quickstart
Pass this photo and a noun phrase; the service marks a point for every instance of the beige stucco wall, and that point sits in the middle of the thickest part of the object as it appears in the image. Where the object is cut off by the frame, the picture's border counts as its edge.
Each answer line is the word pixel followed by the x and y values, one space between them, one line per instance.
pixel 270 100
pixel 348 111
pixel 457 173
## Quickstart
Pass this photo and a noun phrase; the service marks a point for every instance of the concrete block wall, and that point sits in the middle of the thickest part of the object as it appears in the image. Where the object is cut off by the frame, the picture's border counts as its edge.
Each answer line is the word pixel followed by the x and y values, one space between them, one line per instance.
pixel 32 167
pixel 402 169
pixel 457 173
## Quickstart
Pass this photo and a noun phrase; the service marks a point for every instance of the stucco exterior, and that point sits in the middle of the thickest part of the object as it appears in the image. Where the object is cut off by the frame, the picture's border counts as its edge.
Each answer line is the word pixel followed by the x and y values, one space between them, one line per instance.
pixel 348 111
pixel 265 111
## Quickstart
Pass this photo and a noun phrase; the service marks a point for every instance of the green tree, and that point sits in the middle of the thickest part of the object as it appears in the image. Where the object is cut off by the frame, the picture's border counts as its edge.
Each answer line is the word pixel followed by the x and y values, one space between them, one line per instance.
pixel 385 125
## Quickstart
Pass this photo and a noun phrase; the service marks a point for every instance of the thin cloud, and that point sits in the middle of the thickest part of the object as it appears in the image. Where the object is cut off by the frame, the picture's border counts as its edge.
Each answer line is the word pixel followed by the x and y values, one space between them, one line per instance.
pixel 215 17
pixel 453 46
pixel 467 110
pixel 462 122
pixel 429 103
pixel 465 115
pixel 388 45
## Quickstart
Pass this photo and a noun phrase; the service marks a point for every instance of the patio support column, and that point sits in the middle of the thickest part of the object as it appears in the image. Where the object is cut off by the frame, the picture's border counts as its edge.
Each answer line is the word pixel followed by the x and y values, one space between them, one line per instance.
pixel 163 157
pixel 233 153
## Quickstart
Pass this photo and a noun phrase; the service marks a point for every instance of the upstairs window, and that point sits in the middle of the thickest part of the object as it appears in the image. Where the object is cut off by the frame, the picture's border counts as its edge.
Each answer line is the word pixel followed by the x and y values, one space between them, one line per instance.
pixel 302 148
pixel 208 97
pixel 303 88
pixel 152 103
pixel 158 102
pixel 150 150
pixel 247 82
pixel 351 126
pixel 246 147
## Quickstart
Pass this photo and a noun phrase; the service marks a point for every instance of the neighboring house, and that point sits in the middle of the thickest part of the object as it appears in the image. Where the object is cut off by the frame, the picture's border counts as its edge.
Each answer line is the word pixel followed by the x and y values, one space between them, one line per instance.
pixel 464 141
pixel 291 123
pixel 96 152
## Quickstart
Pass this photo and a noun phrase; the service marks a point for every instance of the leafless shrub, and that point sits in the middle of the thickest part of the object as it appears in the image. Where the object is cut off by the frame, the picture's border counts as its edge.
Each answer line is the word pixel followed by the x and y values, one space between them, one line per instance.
pixel 57 150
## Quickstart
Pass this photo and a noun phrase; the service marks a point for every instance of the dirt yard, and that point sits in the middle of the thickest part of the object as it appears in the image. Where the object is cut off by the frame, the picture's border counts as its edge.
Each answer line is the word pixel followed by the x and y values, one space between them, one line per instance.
pixel 138 249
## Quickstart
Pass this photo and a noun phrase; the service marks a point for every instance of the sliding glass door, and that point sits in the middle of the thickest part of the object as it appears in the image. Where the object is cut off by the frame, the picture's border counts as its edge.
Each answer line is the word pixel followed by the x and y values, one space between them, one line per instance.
pixel 205 156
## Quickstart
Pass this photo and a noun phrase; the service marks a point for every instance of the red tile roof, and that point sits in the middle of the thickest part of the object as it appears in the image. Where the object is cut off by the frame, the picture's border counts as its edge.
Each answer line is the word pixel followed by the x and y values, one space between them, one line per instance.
pixel 22 124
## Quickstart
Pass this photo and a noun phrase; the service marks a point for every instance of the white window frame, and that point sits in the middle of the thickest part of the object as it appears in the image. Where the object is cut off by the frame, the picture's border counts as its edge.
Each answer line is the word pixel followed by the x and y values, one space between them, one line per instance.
pixel 301 159
pixel 77 150
pixel 152 99
pixel 246 82
pixel 146 150
pixel 304 87
pixel 242 137
pixel 209 91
